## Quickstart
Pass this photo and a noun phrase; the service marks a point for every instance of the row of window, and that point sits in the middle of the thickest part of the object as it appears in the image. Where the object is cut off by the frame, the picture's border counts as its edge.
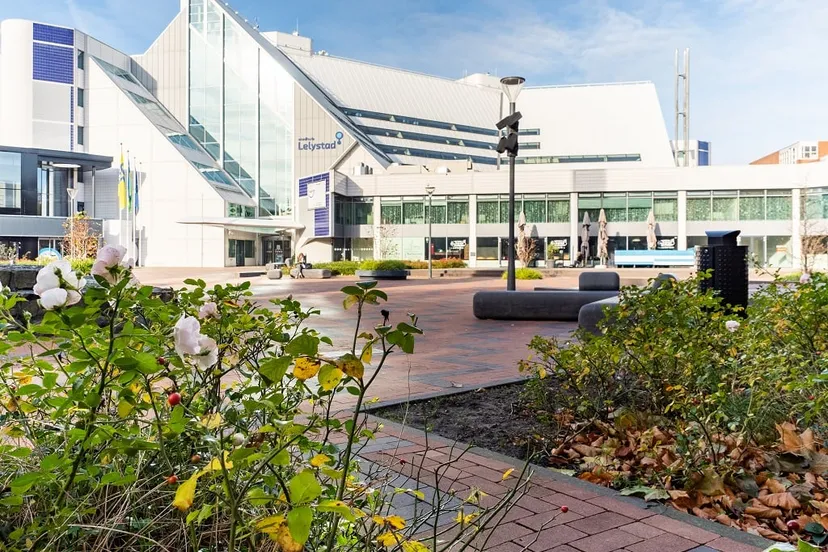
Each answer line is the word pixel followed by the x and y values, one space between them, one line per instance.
pixel 420 137
pixel 241 247
pixel 747 205
pixel 547 159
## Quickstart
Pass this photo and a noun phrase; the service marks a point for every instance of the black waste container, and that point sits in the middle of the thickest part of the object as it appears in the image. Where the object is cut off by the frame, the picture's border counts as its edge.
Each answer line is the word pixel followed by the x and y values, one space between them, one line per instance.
pixel 729 264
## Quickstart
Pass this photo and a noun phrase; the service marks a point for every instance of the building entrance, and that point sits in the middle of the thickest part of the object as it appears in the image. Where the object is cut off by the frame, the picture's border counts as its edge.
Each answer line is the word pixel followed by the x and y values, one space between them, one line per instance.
pixel 276 249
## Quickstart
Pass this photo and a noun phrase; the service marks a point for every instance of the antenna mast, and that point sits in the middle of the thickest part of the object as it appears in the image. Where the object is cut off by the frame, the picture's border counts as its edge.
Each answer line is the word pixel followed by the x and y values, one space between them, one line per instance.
pixel 682 111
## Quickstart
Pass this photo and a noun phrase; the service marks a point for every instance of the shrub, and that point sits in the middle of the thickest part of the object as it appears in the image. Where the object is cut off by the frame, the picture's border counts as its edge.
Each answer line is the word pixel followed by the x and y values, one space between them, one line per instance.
pixel 382 265
pixel 84 266
pixel 339 268
pixel 525 274
pixel 139 424
pixel 440 264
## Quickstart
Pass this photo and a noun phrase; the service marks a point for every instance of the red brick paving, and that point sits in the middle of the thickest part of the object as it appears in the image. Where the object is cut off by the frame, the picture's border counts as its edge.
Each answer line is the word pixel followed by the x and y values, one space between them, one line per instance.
pixel 459 350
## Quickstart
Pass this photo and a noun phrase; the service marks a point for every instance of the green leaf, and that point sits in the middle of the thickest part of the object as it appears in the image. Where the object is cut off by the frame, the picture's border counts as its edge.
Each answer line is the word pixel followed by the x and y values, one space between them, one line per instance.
pixel 304 344
pixel 350 301
pixel 125 362
pixel 338 507
pixel 813 528
pixel 304 487
pixel 353 390
pixel 241 453
pixel 50 462
pixel 282 458
pixel 23 483
pixel 408 328
pixel 124 408
pixel 375 294
pixel 803 546
pixel 147 363
pixel 274 369
pixel 368 284
pixel 13 500
pixel 407 344
pixel 353 290
pixel 299 522
pixel 329 376
pixel 177 423
pixel 258 497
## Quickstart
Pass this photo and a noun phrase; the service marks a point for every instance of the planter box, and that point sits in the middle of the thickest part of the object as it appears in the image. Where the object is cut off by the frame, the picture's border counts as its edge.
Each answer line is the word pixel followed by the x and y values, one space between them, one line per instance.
pixel 382 274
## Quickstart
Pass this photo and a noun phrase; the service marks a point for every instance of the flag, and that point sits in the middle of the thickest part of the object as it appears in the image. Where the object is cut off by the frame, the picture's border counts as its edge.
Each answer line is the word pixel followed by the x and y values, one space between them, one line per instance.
pixel 137 203
pixel 129 183
pixel 122 192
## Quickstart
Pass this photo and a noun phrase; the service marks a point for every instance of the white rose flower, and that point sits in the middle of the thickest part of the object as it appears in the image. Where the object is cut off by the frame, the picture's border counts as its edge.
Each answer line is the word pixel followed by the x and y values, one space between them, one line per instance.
pixel 805 278
pixel 111 255
pixel 54 298
pixel 186 334
pixel 208 355
pixel 99 268
pixel 208 310
pixel 732 325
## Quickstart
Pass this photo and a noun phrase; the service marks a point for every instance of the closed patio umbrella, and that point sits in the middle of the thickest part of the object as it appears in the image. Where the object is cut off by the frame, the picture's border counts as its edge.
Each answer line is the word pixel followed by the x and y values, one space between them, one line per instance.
pixel 652 240
pixel 521 246
pixel 585 237
pixel 603 238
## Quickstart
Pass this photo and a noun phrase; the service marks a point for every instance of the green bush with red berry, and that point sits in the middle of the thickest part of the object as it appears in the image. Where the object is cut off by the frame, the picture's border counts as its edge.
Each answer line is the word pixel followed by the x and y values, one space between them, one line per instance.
pixel 206 422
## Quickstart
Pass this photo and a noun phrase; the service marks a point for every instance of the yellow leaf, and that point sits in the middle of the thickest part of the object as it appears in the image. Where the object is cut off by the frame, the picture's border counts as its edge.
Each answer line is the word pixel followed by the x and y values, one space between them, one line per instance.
pixel 395 521
pixel 506 474
pixel 215 464
pixel 414 546
pixel 319 460
pixel 465 519
pixel 541 373
pixel 329 377
pixel 185 494
pixel 367 353
pixel 351 365
pixel 271 524
pixel 305 368
pixel 23 379
pixel 285 540
pixel 211 421
pixel 387 539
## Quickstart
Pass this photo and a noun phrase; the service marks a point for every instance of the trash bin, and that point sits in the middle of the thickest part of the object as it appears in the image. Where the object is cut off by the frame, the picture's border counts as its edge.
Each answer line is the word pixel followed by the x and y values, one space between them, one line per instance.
pixel 729 264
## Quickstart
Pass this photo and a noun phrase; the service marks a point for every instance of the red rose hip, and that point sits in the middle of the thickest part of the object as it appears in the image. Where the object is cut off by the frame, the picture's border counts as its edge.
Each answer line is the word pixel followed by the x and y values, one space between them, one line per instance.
pixel 564 509
pixel 793 525
pixel 172 480
pixel 174 399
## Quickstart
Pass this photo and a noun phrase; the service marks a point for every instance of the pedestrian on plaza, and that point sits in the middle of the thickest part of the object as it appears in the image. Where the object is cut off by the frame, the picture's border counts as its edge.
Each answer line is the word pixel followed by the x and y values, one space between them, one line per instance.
pixel 301 262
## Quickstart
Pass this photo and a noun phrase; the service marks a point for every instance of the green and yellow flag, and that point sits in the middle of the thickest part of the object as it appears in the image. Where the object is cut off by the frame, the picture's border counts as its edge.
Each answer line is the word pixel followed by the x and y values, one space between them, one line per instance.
pixel 122 187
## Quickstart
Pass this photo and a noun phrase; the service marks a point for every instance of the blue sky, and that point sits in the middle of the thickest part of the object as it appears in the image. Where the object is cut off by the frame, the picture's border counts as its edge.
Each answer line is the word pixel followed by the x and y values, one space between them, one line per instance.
pixel 758 73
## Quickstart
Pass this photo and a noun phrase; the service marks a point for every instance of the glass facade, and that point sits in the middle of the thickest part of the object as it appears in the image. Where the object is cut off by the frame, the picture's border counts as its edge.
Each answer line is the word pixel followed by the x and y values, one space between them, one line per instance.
pixel 10 182
pixel 732 205
pixel 241 107
pixel 629 206
pixel 414 210
pixel 537 208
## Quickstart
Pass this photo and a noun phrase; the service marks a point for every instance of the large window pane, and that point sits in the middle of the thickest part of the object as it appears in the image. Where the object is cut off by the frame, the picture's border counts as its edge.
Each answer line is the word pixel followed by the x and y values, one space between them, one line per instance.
pixel 487 211
pixel 778 208
pixel 615 207
pixel 363 212
pixel 458 212
pixel 591 204
pixel 391 214
pixel 725 208
pixel 665 209
pixel 752 208
pixel 557 211
pixel 10 180
pixel 639 207
pixel 698 208
pixel 486 249
pixel 413 213
pixel 534 210
pixel 276 138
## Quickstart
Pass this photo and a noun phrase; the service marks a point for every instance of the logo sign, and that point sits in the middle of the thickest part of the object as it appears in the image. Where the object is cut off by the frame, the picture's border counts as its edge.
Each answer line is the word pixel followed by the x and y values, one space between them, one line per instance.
pixel 667 243
pixel 562 244
pixel 316 196
pixel 457 244
pixel 50 253
pixel 310 144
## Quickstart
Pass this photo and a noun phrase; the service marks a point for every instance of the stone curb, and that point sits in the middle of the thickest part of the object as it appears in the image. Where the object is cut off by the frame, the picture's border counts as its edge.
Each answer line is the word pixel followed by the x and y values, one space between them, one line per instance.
pixel 655 507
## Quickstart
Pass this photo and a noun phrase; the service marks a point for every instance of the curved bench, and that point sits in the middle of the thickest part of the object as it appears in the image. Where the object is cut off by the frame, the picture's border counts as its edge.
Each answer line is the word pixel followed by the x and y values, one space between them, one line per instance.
pixel 534 305
pixel 592 313
pixel 312 273
pixel 274 274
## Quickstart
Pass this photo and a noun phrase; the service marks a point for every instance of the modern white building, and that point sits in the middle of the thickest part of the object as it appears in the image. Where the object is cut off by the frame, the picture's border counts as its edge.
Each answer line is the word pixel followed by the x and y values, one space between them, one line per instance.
pixel 251 146
pixel 697 151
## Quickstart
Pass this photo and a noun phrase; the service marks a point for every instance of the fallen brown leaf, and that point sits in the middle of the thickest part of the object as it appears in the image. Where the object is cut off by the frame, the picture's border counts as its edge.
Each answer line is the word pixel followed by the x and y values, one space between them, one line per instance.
pixel 785 501
pixel 586 450
pixel 820 506
pixel 724 520
pixel 763 512
pixel 808 440
pixel 791 441
pixel 775 486
pixel 771 534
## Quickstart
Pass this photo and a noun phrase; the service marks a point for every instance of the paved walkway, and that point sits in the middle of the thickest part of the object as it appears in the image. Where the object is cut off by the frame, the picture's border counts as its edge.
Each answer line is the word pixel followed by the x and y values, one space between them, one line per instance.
pixel 458 351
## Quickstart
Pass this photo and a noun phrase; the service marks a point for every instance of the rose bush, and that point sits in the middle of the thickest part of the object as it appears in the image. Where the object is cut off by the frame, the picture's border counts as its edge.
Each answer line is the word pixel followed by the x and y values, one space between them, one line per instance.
pixel 208 422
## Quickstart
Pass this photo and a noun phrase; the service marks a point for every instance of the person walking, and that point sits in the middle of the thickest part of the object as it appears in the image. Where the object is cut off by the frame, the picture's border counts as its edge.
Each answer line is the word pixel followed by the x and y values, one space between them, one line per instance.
pixel 300 260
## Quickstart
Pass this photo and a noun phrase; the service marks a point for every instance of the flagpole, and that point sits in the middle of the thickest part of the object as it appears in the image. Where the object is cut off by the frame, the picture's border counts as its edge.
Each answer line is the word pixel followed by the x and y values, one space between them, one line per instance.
pixel 120 207
pixel 133 248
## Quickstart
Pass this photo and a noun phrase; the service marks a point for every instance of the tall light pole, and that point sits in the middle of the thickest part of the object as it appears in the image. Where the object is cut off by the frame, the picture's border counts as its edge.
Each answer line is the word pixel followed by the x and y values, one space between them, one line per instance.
pixel 73 193
pixel 430 191
pixel 509 143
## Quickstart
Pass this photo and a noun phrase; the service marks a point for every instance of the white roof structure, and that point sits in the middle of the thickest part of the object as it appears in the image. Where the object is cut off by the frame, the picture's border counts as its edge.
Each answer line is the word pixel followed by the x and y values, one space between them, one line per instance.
pixel 622 120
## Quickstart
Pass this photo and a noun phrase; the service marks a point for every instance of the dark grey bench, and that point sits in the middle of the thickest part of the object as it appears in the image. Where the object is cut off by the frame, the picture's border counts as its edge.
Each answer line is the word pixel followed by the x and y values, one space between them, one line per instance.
pixel 312 273
pixel 592 313
pixel 534 305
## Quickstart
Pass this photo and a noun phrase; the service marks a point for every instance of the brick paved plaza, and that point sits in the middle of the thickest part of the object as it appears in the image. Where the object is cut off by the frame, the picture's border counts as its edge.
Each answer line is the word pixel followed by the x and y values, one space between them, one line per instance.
pixel 458 351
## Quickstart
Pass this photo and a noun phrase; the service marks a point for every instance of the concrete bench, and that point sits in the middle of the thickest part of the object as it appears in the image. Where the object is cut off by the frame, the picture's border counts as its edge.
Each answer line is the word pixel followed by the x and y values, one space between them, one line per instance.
pixel 534 305
pixel 592 313
pixel 312 273
pixel 274 274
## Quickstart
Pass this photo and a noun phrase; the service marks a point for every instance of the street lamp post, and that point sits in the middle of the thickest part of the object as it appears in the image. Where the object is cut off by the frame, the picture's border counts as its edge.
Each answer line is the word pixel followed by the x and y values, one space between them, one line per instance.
pixel 73 193
pixel 511 87
pixel 430 191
